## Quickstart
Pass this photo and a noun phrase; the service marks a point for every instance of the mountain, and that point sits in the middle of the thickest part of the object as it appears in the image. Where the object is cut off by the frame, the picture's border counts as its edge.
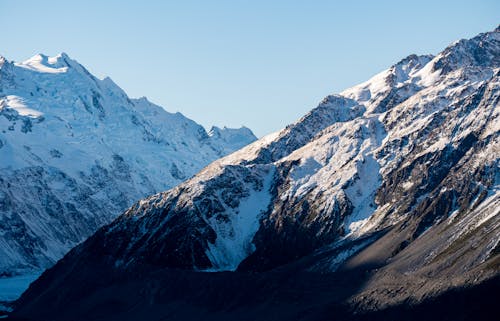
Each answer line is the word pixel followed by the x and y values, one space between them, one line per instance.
pixel 76 151
pixel 380 204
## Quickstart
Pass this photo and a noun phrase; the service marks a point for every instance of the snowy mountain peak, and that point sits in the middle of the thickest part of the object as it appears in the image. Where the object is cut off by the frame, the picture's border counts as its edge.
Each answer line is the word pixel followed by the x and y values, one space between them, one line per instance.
pixel 225 131
pixel 45 64
pixel 380 92
pixel 230 137
pixel 479 51
pixel 477 57
pixel 75 151
pixel 407 67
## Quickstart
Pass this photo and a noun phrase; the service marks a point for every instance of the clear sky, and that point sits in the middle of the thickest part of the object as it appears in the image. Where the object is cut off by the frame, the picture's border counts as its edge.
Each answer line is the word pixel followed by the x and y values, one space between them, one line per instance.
pixel 261 64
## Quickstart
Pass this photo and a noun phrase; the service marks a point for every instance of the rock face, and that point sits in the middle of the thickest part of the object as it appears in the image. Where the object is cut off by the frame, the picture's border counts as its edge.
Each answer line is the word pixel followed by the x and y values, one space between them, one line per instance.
pixel 383 198
pixel 75 152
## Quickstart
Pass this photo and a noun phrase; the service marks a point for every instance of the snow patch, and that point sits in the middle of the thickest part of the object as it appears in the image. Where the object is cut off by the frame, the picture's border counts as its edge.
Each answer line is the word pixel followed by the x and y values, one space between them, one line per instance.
pixel 234 237
pixel 362 193
pixel 19 105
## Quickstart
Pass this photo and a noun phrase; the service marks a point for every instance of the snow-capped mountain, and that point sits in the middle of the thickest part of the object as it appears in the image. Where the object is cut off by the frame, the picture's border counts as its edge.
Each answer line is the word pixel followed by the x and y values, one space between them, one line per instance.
pixel 385 195
pixel 76 151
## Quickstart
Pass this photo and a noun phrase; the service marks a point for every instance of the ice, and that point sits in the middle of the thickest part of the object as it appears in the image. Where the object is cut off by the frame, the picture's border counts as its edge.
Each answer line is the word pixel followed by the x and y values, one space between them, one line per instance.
pixel 12 287
pixel 234 238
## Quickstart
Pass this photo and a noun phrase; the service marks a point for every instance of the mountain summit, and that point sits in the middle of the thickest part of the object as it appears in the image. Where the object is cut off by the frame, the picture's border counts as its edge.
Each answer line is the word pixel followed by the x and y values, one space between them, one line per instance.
pixel 380 203
pixel 76 151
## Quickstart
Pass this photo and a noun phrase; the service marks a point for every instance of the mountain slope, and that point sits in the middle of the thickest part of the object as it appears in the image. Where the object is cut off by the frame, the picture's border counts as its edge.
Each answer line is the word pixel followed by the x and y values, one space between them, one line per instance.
pixel 386 195
pixel 76 151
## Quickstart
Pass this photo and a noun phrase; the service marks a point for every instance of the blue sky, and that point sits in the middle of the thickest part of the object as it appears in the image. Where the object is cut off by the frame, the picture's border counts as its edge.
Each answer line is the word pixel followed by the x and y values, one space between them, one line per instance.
pixel 261 64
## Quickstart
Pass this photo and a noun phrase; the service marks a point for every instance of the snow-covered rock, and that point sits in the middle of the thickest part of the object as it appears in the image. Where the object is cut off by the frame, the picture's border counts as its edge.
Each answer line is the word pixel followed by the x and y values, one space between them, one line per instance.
pixel 76 151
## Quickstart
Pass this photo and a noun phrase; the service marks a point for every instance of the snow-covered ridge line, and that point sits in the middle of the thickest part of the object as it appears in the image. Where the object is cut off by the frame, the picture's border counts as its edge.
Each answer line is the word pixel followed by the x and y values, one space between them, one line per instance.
pixel 345 168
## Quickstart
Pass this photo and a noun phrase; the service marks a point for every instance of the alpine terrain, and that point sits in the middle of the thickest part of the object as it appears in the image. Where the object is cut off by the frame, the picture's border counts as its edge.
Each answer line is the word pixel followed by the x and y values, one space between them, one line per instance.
pixel 381 203
pixel 75 152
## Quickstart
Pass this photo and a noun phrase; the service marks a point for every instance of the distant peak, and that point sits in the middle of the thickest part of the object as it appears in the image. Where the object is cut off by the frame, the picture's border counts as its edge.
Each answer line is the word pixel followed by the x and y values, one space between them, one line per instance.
pixel 43 63
pixel 142 100
pixel 59 58
pixel 481 50
pixel 414 59
pixel 243 130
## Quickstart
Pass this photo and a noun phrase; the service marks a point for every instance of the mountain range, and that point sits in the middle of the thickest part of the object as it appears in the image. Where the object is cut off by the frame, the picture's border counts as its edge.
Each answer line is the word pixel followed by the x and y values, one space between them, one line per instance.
pixel 76 151
pixel 381 203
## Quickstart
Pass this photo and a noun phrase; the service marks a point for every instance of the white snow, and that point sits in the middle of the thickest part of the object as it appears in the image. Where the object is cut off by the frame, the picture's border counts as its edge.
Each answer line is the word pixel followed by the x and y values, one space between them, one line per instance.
pixel 425 76
pixel 367 90
pixel 44 64
pixel 362 194
pixel 234 238
pixel 19 105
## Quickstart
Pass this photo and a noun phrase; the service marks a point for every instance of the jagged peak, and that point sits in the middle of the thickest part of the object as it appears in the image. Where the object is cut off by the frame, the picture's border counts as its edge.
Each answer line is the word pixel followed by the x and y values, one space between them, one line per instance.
pixel 215 131
pixel 2 60
pixel 414 58
pixel 243 130
pixel 481 50
pixel 382 82
pixel 412 62
pixel 336 100
pixel 143 99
